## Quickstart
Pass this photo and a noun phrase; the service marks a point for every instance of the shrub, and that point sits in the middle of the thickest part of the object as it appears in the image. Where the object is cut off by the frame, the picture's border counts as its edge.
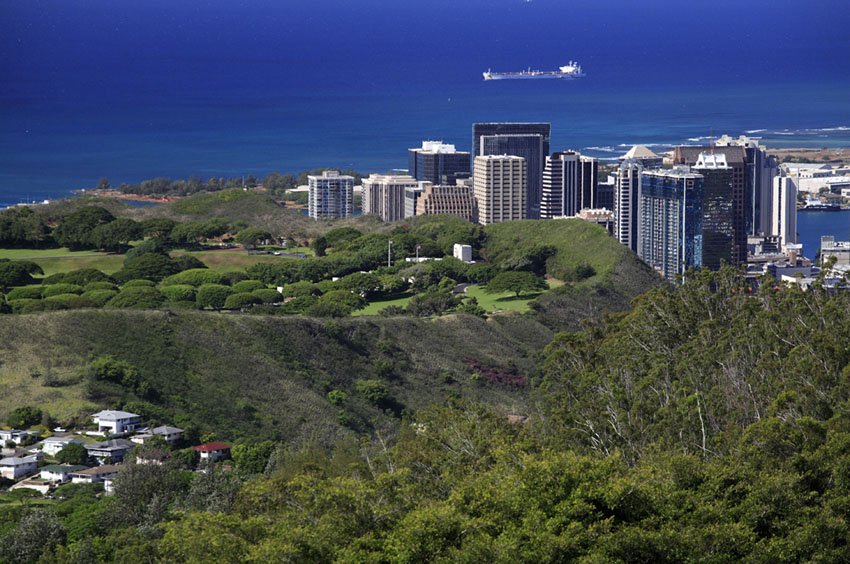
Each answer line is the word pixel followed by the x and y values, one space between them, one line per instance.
pixel 212 295
pixel 300 289
pixel 326 309
pixel 17 272
pixel 194 277
pixel 372 390
pixel 23 417
pixel 80 277
pixel 247 286
pixel 231 277
pixel 188 262
pixel 139 297
pixel 337 397
pixel 268 295
pixel 99 286
pixel 25 305
pixel 25 293
pixel 138 284
pixel 179 293
pixel 99 297
pixel 57 289
pixel 241 300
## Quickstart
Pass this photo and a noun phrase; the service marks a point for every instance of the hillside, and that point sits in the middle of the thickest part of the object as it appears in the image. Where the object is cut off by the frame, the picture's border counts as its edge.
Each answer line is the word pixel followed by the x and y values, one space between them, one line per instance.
pixel 266 377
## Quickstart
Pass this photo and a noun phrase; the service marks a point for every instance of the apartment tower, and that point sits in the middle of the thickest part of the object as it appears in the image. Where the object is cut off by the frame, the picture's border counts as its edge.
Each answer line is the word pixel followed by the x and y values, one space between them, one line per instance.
pixel 330 196
pixel 456 200
pixel 500 184
pixel 626 198
pixel 384 195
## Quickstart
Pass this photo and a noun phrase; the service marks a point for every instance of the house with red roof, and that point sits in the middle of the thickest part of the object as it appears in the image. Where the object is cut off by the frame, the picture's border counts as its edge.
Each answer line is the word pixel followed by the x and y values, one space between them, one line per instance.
pixel 213 452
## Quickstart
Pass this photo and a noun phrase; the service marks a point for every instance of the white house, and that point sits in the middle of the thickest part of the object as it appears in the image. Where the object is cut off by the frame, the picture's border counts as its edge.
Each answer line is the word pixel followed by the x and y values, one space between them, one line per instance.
pixel 94 475
pixel 113 450
pixel 116 422
pixel 15 467
pixel 213 452
pixel 15 435
pixel 462 252
pixel 52 445
pixel 170 434
pixel 141 438
pixel 59 473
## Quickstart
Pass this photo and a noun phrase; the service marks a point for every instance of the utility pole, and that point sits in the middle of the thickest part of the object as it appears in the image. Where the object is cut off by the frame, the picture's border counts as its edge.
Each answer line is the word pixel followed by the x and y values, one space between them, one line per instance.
pixel 417 253
pixel 389 253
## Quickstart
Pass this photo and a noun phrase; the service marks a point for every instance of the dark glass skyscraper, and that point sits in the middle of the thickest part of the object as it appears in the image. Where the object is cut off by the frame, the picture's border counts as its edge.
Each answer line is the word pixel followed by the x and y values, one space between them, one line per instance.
pixel 438 163
pixel 720 215
pixel 671 220
pixel 527 140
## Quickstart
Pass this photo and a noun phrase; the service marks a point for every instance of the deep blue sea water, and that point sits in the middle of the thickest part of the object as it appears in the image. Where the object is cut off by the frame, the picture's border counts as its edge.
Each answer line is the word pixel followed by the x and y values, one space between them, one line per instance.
pixel 225 88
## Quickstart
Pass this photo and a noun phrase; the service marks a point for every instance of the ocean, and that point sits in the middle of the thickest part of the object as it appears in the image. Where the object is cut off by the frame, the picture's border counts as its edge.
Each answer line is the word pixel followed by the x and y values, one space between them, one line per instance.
pixel 210 88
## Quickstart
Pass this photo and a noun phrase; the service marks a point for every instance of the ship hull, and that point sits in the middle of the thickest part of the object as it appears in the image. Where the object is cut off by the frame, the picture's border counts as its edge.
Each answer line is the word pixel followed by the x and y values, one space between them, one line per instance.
pixel 541 76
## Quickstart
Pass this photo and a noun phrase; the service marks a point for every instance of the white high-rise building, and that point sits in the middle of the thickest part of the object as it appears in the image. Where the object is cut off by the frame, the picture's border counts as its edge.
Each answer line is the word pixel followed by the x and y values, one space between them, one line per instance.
pixel 383 195
pixel 784 216
pixel 560 195
pixel 626 198
pixel 330 196
pixel 500 184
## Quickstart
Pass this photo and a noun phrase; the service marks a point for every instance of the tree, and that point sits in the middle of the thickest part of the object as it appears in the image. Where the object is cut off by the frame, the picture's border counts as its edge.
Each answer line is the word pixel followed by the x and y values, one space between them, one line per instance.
pixel 361 283
pixel 38 532
pixel 103 184
pixel 149 266
pixel 374 391
pixel 252 236
pixel 139 297
pixel 320 245
pixel 212 295
pixel 75 229
pixel 516 282
pixel 252 458
pixel 116 235
pixel 158 228
pixel 17 272
pixel 73 453
pixel 23 417
pixel 241 300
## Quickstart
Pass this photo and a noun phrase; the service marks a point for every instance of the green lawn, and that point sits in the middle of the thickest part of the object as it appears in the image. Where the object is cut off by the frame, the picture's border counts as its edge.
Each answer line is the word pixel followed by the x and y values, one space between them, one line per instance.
pixel 63 260
pixel 506 301
pixel 374 307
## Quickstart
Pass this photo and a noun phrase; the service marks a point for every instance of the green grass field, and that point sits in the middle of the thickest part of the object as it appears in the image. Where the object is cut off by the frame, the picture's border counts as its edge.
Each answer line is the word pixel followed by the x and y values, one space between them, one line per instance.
pixel 500 302
pixel 53 261
pixel 374 307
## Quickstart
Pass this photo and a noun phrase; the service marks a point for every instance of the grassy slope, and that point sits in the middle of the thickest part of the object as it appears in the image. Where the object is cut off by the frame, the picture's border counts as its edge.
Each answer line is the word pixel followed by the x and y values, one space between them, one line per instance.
pixel 620 275
pixel 264 376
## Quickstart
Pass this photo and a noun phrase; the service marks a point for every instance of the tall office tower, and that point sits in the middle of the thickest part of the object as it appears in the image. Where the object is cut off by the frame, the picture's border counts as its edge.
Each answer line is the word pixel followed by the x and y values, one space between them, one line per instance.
pixel 456 200
pixel 560 193
pixel 626 193
pixel 330 196
pixel 383 195
pixel 500 184
pixel 736 160
pixel 670 234
pixel 761 169
pixel 784 213
pixel 411 197
pixel 438 163
pixel 605 194
pixel 588 182
pixel 569 184
pixel 719 243
pixel 644 156
pixel 527 140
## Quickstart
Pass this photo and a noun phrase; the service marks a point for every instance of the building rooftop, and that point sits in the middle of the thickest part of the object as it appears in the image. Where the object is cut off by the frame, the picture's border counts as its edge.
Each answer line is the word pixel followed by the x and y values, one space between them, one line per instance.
pixel 67 468
pixel 98 470
pixel 711 160
pixel 112 444
pixel 686 154
pixel 17 460
pixel 437 147
pixel 640 152
pixel 209 447
pixel 113 415
pixel 165 430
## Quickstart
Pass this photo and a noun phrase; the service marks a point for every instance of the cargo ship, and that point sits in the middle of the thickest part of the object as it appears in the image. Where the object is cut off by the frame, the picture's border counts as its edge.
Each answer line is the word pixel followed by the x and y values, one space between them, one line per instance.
pixel 570 71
